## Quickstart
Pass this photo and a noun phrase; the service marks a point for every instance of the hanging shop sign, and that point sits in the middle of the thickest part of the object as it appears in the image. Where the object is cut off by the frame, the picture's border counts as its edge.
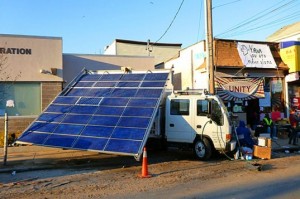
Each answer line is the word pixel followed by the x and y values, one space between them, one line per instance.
pixel 290 55
pixel 256 55
pixel 233 89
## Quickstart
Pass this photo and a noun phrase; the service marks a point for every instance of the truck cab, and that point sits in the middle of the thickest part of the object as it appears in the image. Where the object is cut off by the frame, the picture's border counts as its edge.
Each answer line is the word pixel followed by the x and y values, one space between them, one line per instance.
pixel 199 120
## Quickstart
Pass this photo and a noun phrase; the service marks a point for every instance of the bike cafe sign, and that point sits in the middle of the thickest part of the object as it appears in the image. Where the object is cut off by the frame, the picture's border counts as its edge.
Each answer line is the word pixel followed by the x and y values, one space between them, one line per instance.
pixel 256 55
pixel 239 89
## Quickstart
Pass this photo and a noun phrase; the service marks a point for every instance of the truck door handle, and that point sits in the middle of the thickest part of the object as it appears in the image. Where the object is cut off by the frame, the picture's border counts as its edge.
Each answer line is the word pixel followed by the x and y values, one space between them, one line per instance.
pixel 199 126
pixel 172 125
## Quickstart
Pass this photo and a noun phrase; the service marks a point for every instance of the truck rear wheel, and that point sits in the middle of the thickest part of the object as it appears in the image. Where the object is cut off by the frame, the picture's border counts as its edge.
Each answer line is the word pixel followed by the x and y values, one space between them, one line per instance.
pixel 202 149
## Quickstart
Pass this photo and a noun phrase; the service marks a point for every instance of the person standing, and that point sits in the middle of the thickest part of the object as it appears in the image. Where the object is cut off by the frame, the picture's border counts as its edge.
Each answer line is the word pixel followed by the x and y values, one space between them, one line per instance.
pixel 268 124
pixel 275 116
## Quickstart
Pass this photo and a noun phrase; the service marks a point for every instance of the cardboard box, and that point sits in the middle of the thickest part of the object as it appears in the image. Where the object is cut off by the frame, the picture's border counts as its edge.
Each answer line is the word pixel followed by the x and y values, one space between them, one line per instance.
pixel 262 152
pixel 263 141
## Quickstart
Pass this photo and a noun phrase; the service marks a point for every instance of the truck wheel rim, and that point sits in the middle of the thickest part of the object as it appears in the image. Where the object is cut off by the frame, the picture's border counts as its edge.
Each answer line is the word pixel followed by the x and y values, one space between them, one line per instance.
pixel 200 149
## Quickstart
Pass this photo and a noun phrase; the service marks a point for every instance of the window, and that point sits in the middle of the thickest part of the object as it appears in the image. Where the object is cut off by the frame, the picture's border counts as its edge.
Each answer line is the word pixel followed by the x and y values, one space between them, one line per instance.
pixel 180 107
pixel 202 107
pixel 216 113
pixel 26 97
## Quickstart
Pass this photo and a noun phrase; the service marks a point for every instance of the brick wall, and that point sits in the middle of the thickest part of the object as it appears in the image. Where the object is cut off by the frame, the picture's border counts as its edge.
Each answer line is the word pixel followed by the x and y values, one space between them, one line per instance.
pixel 49 91
pixel 16 124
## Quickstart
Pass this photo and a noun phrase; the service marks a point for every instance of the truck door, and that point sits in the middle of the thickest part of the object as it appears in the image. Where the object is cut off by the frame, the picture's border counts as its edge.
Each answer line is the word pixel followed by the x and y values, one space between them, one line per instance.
pixel 179 126
pixel 209 120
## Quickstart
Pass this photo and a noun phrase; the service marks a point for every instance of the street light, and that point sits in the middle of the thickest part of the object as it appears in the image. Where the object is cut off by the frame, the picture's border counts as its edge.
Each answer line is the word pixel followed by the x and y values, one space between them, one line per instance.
pixel 9 103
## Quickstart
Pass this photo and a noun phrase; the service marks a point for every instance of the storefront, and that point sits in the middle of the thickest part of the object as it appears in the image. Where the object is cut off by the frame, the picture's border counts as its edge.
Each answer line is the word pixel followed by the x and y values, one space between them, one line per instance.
pixel 290 54
pixel 256 88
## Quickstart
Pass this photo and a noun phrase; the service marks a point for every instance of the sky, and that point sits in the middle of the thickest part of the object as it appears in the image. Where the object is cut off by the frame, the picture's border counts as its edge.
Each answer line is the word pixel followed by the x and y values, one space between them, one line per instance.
pixel 87 26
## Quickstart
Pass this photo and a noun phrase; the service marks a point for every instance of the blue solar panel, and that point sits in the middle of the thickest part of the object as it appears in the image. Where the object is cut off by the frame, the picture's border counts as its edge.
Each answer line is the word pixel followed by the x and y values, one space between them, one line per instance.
pixel 133 77
pixel 98 131
pixel 114 101
pixel 76 119
pixel 84 84
pixel 90 143
pixel 60 140
pixel 65 100
pixel 128 84
pixel 153 84
pixel 141 102
pixel 109 110
pixel 83 109
pixel 89 101
pixel 105 84
pixel 120 92
pixel 151 93
pixel 70 129
pixel 134 122
pixel 101 112
pixel 129 133
pixel 51 117
pixel 111 77
pixel 104 120
pixel 140 112
pixel 36 138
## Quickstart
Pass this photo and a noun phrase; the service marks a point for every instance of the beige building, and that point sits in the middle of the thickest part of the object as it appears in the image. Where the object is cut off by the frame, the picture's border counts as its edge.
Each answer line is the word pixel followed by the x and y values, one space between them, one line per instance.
pixel 160 51
pixel 30 76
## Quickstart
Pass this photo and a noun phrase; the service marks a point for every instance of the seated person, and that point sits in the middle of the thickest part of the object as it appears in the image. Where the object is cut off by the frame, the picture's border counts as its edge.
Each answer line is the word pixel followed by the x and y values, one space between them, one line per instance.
pixel 244 135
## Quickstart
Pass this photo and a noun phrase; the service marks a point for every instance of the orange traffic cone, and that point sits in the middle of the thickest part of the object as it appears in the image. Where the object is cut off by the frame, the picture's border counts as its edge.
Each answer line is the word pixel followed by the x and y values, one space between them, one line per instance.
pixel 145 173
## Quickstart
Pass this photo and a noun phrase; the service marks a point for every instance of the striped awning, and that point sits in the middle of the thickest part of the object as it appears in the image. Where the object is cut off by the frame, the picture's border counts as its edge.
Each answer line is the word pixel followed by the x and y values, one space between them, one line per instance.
pixel 232 89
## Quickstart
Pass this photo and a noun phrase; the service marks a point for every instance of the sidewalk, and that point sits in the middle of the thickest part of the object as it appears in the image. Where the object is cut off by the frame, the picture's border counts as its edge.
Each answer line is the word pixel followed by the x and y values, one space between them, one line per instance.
pixel 282 144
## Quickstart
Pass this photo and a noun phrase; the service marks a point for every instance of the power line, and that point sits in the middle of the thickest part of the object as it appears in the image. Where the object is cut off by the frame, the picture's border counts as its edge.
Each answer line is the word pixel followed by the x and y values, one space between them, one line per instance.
pixel 258 16
pixel 199 23
pixel 225 4
pixel 170 23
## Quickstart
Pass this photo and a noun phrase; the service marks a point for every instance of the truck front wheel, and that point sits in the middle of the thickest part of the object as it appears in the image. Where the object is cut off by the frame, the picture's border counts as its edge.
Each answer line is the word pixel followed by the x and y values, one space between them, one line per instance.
pixel 202 149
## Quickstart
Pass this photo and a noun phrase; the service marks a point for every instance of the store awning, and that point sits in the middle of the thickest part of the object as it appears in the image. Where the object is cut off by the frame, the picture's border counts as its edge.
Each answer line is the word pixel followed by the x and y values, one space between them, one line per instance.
pixel 233 89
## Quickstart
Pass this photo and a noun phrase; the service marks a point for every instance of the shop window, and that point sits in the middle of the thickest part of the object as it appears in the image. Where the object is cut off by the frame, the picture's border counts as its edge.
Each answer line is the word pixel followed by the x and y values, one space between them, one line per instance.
pixel 26 98
pixel 180 107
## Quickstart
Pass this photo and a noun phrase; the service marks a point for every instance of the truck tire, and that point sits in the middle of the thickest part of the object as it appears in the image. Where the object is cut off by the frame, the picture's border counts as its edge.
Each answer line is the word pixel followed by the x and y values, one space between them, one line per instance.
pixel 202 149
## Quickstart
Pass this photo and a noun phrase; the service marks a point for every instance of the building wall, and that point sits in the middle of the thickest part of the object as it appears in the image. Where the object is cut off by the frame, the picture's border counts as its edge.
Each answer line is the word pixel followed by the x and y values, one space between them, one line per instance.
pixel 42 54
pixel 160 52
pixel 74 63
pixel 185 66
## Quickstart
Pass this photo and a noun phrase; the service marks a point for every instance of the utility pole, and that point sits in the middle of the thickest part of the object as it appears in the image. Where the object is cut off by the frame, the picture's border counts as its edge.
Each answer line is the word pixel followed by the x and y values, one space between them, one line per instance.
pixel 209 46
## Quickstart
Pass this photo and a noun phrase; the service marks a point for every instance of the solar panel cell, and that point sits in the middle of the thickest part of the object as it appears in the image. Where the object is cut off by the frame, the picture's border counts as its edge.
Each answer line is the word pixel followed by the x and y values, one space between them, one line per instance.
pixel 104 120
pixel 35 138
pixel 60 141
pixel 129 133
pixel 134 122
pixel 123 146
pixel 76 119
pixel 98 131
pixel 65 100
pixel 89 143
pixel 141 112
pixel 69 129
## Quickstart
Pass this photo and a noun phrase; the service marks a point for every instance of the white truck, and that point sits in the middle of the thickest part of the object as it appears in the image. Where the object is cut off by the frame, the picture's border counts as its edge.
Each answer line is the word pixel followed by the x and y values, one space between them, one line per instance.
pixel 194 119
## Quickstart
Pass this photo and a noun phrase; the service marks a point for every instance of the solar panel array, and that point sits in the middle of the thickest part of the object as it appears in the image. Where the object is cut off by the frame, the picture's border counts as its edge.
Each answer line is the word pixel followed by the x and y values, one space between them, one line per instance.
pixel 110 113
